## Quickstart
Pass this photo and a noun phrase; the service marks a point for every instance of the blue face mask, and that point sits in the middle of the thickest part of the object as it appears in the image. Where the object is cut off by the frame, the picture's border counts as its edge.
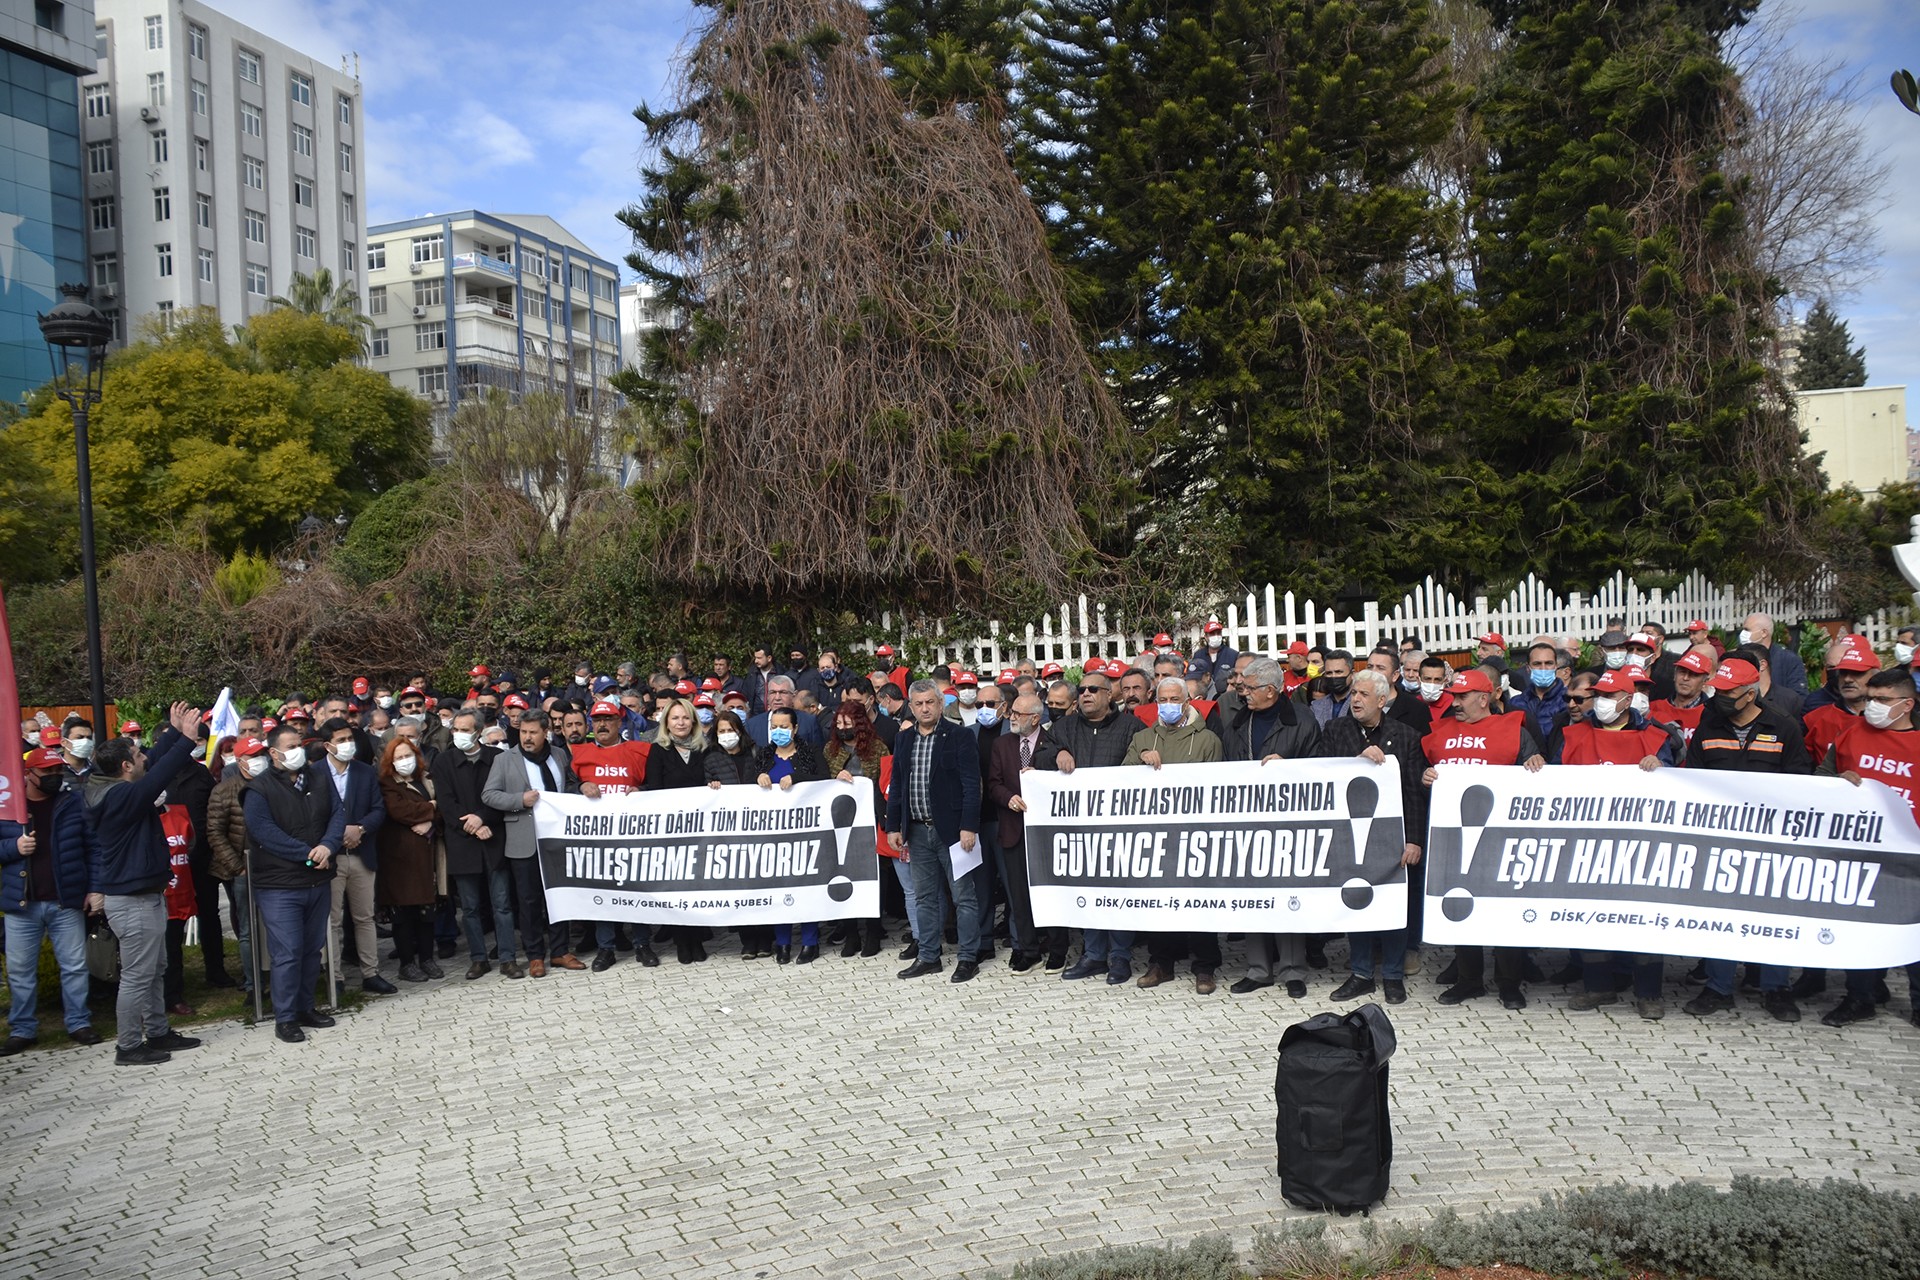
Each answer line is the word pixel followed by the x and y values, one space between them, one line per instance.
pixel 1542 679
pixel 1170 713
pixel 987 717
pixel 948 699
pixel 780 736
pixel 705 714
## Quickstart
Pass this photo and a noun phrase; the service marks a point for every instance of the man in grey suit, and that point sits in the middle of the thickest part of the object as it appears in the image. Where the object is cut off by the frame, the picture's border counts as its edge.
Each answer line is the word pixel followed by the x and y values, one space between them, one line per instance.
pixel 537 763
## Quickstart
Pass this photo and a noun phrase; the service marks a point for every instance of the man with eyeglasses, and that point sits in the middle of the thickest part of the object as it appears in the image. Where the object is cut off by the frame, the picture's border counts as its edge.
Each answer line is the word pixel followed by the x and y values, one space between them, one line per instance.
pixel 1096 736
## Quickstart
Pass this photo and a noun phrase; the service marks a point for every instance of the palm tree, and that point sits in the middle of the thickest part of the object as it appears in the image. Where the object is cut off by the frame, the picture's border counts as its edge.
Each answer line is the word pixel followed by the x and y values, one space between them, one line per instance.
pixel 315 295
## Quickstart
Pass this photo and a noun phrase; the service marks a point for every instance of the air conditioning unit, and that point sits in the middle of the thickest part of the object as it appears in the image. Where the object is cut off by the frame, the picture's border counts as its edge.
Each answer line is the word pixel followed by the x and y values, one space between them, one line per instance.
pixel 108 291
pixel 419 313
pixel 148 115
pixel 413 268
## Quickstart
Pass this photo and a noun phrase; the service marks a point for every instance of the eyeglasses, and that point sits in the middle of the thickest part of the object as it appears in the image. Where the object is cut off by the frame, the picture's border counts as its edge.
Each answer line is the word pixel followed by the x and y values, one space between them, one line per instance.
pixel 1581 697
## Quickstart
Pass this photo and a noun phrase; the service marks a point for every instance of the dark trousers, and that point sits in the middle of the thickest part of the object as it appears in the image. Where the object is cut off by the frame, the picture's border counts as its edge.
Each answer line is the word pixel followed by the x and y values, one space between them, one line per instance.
pixel 756 937
pixel 1600 968
pixel 1169 949
pixel 530 913
pixel 206 896
pixel 412 934
pixel 1013 878
pixel 175 982
pixel 295 921
pixel 1509 966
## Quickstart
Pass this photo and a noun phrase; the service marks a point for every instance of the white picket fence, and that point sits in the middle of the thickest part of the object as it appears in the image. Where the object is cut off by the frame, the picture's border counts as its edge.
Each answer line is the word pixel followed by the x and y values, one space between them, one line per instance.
pixel 1268 621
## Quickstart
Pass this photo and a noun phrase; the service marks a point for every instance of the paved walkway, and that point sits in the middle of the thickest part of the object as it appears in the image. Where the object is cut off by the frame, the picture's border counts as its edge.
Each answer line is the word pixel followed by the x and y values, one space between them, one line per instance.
pixel 740 1120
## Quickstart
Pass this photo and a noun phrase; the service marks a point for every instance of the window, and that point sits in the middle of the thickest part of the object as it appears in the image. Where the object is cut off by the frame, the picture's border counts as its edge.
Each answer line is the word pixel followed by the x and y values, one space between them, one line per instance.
pixel 346 158
pixel 106 270
pixel 377 256
pixel 534 304
pixel 346 112
pixel 203 210
pixel 349 257
pixel 99 102
pixel 430 293
pixel 202 154
pixel 160 146
pixel 156 32
pixel 377 300
pixel 606 329
pixel 303 193
pixel 302 140
pixel 196 41
pixel 430 337
pixel 200 97
pixel 250 121
pixel 51 15
pixel 100 44
pixel 578 278
pixel 101 214
pixel 433 382
pixel 99 157
pixel 163 204
pixel 256 279
pixel 256 173
pixel 346 210
pixel 206 265
pixel 249 67
pixel 303 241
pixel 428 248
pixel 157 89
pixel 302 89
pixel 164 252
pixel 165 311
pixel 256 226
pixel 379 346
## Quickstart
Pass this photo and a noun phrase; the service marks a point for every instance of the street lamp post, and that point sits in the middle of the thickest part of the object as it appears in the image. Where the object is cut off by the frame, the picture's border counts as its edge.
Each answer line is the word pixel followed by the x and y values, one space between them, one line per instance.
pixel 77 334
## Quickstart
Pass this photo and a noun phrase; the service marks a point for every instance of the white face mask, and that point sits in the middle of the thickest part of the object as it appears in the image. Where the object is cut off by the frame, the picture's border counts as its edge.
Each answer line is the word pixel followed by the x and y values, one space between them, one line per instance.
pixel 1903 654
pixel 1606 710
pixel 1640 703
pixel 1430 690
pixel 199 752
pixel 405 765
pixel 228 759
pixel 255 766
pixel 581 681
pixel 1880 715
pixel 1678 647
pixel 385 704
pixel 293 759
pixel 969 696
pixel 1616 659
pixel 1214 642
pixel 729 739
pixel 1746 637
pixel 81 748
pixel 463 741
pixel 1638 661
pixel 344 751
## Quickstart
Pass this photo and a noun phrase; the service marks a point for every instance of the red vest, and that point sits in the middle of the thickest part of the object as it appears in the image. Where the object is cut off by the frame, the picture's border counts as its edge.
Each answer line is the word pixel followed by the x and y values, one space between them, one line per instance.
pixel 1291 680
pixel 179 828
pixel 1494 740
pixel 1825 727
pixel 1685 721
pixel 1891 756
pixel 1584 743
pixel 616 770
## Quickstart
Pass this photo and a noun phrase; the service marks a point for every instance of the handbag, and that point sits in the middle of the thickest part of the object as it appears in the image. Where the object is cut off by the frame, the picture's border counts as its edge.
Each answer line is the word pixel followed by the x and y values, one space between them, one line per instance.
pixel 103 950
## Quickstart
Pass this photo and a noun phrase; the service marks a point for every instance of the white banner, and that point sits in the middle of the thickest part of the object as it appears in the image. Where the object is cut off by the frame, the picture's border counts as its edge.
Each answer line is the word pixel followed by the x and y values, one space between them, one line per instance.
pixel 1732 866
pixel 1297 846
pixel 738 855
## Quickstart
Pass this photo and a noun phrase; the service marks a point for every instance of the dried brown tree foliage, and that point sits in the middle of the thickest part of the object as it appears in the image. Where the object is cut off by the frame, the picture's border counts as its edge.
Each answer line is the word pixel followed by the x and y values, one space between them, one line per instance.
pixel 881 391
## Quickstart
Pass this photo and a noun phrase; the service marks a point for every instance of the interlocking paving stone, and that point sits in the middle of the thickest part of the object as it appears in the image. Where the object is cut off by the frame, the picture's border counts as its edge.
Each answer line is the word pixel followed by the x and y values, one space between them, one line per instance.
pixel 741 1119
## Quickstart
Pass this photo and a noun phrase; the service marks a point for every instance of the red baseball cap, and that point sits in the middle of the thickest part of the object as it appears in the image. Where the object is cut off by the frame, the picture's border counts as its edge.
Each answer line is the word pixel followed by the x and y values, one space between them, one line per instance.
pixel 703 700
pixel 734 695
pixel 884 651
pixel 1618 680
pixel 1007 676
pixel 1163 639
pixel 1051 669
pixel 1696 625
pixel 605 708
pixel 967 679
pixel 481 671
pixel 50 735
pixel 1694 661
pixel 129 726
pixel 1734 673
pixel 710 684
pixel 1472 680
pixel 44 758
pixel 268 722
pixel 1116 668
pixel 1642 639
pixel 1494 637
pixel 249 747
pixel 1856 654
pixel 360 686
pixel 298 713
pixel 515 700
pixel 411 692
pixel 1299 647
pixel 1212 629
pixel 684 688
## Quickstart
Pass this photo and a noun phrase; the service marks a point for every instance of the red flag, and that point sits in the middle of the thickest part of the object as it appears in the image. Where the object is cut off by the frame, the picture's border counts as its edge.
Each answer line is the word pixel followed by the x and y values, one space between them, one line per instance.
pixel 13 792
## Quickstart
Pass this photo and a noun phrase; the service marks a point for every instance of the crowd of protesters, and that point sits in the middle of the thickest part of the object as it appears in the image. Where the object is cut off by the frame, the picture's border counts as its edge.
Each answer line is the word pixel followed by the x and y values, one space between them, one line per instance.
pixel 401 815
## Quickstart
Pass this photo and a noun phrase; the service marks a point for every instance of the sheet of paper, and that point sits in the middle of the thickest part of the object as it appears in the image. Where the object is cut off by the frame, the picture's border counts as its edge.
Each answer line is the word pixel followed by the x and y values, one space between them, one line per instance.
pixel 964 860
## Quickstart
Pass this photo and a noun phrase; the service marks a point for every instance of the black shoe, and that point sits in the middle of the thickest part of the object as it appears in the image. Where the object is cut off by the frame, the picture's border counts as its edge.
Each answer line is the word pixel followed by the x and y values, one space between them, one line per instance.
pixel 909 952
pixel 1462 991
pixel 432 969
pixel 17 1044
pixel 1696 974
pixel 173 1042
pixel 1316 955
pixel 1297 989
pixel 144 1056
pixel 1056 960
pixel 870 949
pixel 1882 994
pixel 444 951
pixel 850 948
pixel 1780 1004
pixel 603 961
pixel 783 954
pixel 378 985
pixel 312 1019
pixel 645 955
pixel 1532 972
pixel 1022 962
pixel 1352 989
pixel 85 1035
pixel 1848 1010
pixel 1707 1002
pixel 478 969
pixel 290 1032
pixel 921 968
pixel 839 933
pixel 1395 991
pixel 682 951
pixel 964 971
pixel 809 954
pixel 411 972
pixel 986 954
pixel 1512 998
pixel 1568 974
pixel 1811 982
pixel 1247 986
pixel 222 979
pixel 699 951
pixel 1449 975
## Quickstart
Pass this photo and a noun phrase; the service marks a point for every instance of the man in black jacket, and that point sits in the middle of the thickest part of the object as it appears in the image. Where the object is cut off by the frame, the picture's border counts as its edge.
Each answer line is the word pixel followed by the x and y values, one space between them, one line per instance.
pixel 1096 736
pixel 933 804
pixel 131 867
pixel 295 825
pixel 192 786
pixel 476 835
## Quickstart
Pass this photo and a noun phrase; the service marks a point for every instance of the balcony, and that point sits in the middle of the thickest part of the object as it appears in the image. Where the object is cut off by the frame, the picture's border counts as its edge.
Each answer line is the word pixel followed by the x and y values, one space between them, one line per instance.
pixel 484 307
pixel 481 262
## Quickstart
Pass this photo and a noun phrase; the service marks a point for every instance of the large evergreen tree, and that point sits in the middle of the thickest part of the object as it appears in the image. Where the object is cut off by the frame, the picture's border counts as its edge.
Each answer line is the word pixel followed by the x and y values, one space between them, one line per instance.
pixel 1624 307
pixel 949 54
pixel 1826 357
pixel 1231 184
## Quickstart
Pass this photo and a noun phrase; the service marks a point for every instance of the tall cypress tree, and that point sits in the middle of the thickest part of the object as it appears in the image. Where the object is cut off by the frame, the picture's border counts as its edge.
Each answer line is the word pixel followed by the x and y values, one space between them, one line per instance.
pixel 1826 357
pixel 1230 185
pixel 1633 415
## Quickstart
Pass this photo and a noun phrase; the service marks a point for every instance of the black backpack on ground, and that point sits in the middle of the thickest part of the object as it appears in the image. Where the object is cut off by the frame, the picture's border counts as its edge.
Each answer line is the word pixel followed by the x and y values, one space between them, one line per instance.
pixel 1333 1132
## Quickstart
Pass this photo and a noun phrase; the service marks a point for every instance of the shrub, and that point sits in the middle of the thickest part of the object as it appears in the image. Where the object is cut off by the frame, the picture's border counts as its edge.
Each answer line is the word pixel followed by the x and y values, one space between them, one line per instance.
pixel 245 576
pixel 1208 1258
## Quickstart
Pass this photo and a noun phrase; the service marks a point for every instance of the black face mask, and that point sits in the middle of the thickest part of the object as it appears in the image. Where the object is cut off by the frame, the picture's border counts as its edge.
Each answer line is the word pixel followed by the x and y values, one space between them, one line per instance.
pixel 1727 704
pixel 1336 689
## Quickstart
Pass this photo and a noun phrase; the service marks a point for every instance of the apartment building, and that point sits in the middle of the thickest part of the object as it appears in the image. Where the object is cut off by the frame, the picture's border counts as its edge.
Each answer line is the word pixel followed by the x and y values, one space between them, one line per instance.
pixel 219 163
pixel 641 309
pixel 462 302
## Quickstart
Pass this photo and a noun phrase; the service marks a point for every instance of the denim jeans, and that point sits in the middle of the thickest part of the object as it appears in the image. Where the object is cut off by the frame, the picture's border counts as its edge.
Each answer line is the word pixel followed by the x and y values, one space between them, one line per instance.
pixel 295 922
pixel 240 906
pixel 1393 954
pixel 903 871
pixel 139 920
pixel 933 884
pixel 66 928
pixel 1111 947
pixel 499 887
pixel 809 935
pixel 1721 975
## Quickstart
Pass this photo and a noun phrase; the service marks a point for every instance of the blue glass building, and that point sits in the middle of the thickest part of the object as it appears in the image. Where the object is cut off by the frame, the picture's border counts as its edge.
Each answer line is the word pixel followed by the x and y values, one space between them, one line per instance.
pixel 44 48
